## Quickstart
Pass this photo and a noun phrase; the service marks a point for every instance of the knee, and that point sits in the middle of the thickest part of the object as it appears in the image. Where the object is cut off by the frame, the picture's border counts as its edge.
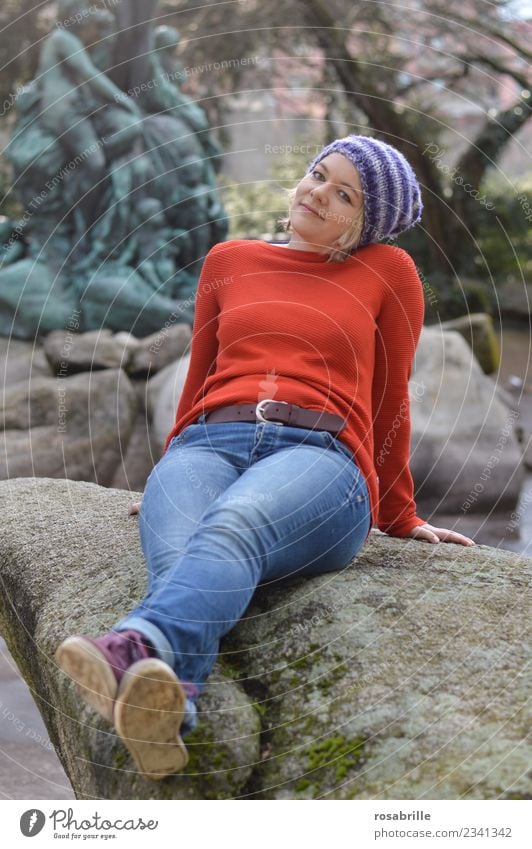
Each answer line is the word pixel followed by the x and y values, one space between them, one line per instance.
pixel 95 166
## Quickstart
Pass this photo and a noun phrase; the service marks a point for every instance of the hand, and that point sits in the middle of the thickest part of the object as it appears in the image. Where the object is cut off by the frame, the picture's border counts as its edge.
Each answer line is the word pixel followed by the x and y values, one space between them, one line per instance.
pixel 432 534
pixel 134 508
pixel 128 103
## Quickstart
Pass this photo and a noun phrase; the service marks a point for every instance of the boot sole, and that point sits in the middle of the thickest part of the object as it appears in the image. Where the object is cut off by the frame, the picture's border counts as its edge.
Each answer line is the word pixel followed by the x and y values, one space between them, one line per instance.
pixel 149 710
pixel 92 673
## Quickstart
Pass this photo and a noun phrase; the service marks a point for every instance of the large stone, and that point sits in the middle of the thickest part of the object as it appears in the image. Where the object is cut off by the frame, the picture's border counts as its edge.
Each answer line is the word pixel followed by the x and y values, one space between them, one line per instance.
pixel 159 350
pixel 139 458
pixel 163 393
pixel 69 352
pixel 21 361
pixel 76 427
pixel 91 571
pixel 465 455
pixel 515 299
pixel 402 677
pixel 478 331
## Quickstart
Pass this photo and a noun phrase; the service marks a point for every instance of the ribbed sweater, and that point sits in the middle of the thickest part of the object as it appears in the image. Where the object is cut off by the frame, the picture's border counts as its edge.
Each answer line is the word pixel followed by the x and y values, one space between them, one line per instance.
pixel 281 323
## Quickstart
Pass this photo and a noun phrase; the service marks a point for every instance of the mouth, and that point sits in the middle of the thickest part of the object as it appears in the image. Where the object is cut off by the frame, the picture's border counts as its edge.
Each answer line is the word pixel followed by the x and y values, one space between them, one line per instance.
pixel 309 209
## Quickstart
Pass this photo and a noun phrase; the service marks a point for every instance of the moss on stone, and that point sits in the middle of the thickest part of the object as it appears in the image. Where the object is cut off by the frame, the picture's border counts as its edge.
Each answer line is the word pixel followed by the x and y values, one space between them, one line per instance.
pixel 337 752
pixel 300 663
pixel 303 784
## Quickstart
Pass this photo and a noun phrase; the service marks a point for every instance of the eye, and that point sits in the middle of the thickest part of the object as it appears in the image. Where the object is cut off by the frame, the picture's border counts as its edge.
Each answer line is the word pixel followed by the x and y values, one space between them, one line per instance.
pixel 341 192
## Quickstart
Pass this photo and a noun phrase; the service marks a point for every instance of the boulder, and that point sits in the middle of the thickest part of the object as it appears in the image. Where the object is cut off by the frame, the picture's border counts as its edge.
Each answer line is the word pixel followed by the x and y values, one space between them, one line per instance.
pixel 515 299
pixel 139 458
pixel 465 455
pixel 69 352
pixel 478 331
pixel 91 571
pixel 401 677
pixel 157 351
pixel 20 361
pixel 74 427
pixel 163 393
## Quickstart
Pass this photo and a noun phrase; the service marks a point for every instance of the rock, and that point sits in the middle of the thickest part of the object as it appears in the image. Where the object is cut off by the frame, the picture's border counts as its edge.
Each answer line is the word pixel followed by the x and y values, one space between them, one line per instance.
pixel 21 361
pixel 478 331
pixel 164 392
pixel 139 458
pixel 464 453
pixel 157 351
pixel 91 570
pixel 514 299
pixel 69 352
pixel 380 683
pixel 75 427
pixel 403 676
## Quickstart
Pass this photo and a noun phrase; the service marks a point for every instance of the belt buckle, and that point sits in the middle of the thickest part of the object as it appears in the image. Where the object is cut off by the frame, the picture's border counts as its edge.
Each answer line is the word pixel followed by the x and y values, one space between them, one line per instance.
pixel 260 414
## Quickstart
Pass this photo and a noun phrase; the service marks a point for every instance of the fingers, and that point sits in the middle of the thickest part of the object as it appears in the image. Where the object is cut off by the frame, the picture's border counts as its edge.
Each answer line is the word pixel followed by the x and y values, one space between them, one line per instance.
pixel 446 535
pixel 435 535
pixel 425 534
pixel 134 508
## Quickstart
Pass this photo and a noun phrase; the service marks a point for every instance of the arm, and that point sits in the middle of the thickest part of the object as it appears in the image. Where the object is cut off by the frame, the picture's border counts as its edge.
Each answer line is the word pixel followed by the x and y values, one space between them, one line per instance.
pixel 204 340
pixel 73 53
pixel 204 345
pixel 399 325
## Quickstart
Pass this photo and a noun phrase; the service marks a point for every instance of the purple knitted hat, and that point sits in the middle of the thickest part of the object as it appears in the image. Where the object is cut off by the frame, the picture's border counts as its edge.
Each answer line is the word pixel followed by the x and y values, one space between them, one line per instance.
pixel 392 197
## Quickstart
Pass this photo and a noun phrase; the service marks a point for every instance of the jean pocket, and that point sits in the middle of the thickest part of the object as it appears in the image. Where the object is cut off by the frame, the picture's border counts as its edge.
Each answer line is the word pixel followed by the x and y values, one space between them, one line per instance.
pixel 336 444
pixel 175 441
pixel 358 491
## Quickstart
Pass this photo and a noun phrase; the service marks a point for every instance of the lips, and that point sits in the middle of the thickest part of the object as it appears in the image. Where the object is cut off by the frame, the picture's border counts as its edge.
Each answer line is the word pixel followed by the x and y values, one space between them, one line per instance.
pixel 309 209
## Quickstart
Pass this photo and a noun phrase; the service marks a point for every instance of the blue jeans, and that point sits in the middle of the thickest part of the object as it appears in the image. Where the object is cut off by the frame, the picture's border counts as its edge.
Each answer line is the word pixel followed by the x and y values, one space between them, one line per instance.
pixel 232 505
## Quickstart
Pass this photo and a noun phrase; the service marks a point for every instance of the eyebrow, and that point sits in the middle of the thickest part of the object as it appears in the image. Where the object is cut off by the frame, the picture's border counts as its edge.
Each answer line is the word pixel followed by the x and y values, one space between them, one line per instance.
pixel 356 191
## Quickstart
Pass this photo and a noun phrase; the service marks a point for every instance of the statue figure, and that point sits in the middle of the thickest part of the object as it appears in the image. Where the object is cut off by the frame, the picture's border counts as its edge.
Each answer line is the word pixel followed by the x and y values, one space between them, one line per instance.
pixel 120 195
pixel 166 96
pixel 150 247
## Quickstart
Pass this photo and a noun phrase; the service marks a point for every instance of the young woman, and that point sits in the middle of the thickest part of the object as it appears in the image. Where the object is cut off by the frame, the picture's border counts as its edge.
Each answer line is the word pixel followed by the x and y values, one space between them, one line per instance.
pixel 291 439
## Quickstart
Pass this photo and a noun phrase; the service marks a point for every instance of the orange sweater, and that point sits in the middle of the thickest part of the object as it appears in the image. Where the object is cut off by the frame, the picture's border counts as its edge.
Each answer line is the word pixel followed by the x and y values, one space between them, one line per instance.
pixel 275 322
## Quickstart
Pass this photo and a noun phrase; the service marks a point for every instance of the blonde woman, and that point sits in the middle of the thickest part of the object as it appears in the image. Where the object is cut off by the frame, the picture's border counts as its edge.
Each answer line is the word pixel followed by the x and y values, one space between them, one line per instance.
pixel 291 439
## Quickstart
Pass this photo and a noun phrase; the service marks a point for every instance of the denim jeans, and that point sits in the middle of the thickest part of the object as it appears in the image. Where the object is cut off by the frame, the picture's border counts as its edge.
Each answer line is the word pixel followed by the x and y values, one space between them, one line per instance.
pixel 232 505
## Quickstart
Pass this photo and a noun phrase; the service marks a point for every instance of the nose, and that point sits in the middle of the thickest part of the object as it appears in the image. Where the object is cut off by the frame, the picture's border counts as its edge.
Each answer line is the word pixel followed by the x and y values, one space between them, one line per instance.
pixel 319 192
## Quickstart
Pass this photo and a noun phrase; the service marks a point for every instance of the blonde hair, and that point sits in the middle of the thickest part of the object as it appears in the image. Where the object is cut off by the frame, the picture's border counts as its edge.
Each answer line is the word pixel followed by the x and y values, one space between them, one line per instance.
pixel 345 244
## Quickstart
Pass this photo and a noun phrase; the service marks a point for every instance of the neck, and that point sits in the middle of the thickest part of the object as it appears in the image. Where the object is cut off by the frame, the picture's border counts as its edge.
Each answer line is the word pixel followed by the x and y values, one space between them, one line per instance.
pixel 299 244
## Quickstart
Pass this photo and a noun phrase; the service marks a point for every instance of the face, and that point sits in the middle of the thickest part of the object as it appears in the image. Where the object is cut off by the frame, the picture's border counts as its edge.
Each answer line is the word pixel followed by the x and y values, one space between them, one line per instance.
pixel 327 202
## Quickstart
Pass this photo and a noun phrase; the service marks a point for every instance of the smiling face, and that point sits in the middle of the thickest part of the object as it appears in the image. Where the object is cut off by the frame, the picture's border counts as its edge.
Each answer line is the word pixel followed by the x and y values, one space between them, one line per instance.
pixel 328 206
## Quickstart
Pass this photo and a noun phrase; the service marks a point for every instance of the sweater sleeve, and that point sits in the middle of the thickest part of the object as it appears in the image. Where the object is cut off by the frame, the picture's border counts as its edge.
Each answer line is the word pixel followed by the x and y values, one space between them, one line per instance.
pixel 399 325
pixel 204 339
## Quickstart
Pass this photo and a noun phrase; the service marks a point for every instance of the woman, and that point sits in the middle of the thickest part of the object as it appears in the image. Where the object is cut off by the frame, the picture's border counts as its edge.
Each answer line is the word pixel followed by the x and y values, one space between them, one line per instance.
pixel 296 394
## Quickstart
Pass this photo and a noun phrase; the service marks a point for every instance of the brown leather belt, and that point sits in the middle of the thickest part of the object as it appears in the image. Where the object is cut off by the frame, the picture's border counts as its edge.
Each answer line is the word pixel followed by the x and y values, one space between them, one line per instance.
pixel 278 412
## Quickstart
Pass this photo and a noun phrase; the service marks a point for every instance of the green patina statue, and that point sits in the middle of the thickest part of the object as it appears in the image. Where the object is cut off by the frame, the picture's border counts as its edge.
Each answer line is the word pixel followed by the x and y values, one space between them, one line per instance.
pixel 116 170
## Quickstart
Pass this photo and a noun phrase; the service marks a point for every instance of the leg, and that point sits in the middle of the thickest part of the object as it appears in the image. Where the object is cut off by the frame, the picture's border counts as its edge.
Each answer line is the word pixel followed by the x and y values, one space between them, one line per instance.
pixel 176 496
pixel 300 508
pixel 298 505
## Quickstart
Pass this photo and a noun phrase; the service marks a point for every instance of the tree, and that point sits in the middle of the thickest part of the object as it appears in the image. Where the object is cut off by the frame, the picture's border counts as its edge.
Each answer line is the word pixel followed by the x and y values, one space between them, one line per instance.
pixel 393 66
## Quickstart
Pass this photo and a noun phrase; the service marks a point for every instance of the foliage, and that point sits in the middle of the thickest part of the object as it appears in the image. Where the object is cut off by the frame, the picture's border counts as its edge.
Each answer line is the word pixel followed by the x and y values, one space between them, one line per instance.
pixel 254 209
pixel 505 237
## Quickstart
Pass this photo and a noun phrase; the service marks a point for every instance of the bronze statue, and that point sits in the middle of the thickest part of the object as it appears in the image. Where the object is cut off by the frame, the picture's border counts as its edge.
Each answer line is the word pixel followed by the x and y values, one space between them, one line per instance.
pixel 119 189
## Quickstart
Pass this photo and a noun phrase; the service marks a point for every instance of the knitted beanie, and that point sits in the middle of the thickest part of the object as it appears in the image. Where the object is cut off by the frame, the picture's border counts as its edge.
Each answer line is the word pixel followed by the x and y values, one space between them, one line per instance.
pixel 392 197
